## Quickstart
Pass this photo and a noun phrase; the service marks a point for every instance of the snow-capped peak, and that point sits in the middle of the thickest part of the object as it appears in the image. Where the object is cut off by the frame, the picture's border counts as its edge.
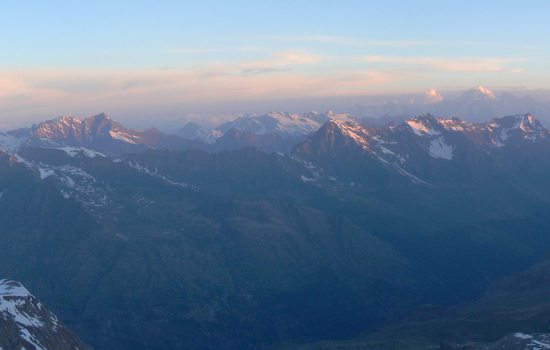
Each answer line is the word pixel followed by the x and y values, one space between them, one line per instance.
pixel 281 123
pixel 525 122
pixel 12 289
pixel 433 96
pixel 73 131
pixel 68 120
pixel 352 130
pixel 340 116
pixel 479 93
pixel 525 126
pixel 486 92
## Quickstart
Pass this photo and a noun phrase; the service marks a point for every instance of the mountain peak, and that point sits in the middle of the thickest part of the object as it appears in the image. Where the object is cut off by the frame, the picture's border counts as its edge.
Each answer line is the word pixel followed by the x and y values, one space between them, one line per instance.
pixel 423 125
pixel 100 117
pixel 59 126
pixel 12 289
pixel 350 129
pixel 484 91
pixel 73 121
pixel 101 120
pixel 518 121
pixel 433 96
pixel 479 93
pixel 523 125
pixel 340 116
pixel 430 125
pixel 67 119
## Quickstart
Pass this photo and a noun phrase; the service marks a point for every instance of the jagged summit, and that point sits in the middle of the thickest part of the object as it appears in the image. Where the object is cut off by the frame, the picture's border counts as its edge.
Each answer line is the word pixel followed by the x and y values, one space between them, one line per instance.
pixel 430 127
pixel 428 124
pixel 75 131
pixel 498 130
pixel 423 125
pixel 524 126
pixel 99 133
pixel 522 121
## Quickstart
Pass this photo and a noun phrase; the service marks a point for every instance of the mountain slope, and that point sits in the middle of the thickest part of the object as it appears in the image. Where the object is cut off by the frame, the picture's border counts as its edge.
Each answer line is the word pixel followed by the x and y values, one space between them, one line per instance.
pixel 169 266
pixel 512 314
pixel 25 323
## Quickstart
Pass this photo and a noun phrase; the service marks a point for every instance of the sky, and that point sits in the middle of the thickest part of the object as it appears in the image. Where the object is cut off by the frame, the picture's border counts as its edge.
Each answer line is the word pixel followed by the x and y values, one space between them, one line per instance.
pixel 149 60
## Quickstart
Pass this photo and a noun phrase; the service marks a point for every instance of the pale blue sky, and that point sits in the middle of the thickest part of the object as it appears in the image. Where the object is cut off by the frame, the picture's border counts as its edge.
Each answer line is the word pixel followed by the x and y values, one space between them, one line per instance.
pixel 74 56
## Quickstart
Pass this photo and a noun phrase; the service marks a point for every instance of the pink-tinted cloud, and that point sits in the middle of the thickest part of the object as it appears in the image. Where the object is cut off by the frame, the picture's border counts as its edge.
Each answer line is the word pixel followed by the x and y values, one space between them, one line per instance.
pixel 458 64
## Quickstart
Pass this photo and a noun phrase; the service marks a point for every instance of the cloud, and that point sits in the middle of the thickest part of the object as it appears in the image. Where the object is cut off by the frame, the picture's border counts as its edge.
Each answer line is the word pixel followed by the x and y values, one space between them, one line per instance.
pixel 49 92
pixel 193 50
pixel 349 41
pixel 10 86
pixel 278 62
pixel 460 64
pixel 287 74
pixel 297 57
pixel 257 71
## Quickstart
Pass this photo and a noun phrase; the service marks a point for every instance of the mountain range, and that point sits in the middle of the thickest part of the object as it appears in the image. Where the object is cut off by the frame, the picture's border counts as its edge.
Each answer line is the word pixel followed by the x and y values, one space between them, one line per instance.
pixel 270 132
pixel 475 105
pixel 274 131
pixel 141 242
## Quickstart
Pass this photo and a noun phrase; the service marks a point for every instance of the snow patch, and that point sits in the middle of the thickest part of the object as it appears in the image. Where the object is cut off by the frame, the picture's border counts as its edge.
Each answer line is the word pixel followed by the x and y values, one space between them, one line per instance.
pixel 539 342
pixel 44 173
pixel 523 336
pixel 25 334
pixel 13 298
pixel 75 151
pixel 121 136
pixel 385 150
pixel 10 143
pixel 155 173
pixel 439 149
pixel 414 179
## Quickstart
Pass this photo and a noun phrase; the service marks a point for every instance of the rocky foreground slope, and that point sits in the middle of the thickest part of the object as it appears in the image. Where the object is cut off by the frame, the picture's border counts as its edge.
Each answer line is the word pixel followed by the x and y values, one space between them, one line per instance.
pixel 25 323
